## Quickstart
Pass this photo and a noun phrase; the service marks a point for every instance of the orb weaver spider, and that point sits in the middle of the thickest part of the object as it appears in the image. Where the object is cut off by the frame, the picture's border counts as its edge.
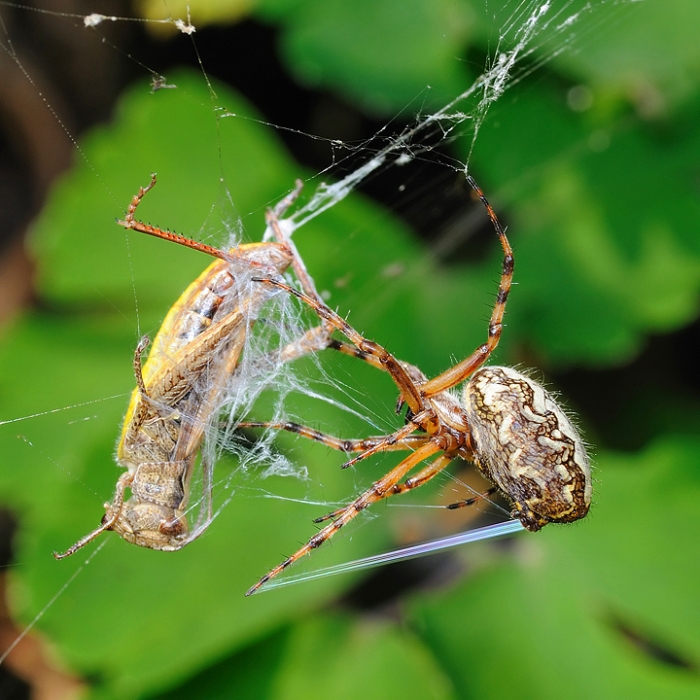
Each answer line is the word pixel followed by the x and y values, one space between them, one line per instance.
pixel 504 422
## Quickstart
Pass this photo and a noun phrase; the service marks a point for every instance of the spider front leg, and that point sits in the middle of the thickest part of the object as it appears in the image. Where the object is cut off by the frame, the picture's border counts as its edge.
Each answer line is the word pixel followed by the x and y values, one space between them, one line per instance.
pixel 383 442
pixel 409 391
pixel 318 338
pixel 468 366
pixel 273 218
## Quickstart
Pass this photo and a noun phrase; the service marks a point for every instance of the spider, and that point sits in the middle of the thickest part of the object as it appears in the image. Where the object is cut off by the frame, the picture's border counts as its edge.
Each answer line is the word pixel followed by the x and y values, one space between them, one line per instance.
pixel 504 422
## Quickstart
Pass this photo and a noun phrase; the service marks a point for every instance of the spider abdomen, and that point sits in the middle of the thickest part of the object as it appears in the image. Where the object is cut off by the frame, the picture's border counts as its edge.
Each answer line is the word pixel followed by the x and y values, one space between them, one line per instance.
pixel 527 446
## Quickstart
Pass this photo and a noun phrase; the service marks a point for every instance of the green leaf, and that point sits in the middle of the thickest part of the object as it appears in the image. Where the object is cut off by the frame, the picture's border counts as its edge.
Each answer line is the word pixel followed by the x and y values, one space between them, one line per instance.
pixel 330 654
pixel 362 653
pixel 602 257
pixel 384 55
pixel 647 50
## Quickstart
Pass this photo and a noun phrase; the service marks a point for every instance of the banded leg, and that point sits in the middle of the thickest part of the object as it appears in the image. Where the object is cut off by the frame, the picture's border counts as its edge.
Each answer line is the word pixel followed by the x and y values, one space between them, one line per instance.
pixel 314 340
pixel 468 366
pixel 272 217
pixel 423 476
pixel 409 442
pixel 349 349
pixel 317 339
pixel 474 499
pixel 379 490
pixel 409 392
pixel 391 439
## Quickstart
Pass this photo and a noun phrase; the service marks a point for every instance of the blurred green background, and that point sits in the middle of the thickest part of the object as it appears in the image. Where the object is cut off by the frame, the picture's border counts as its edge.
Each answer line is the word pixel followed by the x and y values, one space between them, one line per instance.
pixel 592 159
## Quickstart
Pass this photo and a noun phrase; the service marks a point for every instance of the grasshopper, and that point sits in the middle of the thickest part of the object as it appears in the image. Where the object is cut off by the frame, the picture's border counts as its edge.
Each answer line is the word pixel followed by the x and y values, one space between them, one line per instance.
pixel 179 387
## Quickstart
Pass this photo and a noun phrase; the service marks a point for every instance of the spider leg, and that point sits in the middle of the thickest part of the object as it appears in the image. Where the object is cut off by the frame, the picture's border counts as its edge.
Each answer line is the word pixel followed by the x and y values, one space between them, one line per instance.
pixel 466 367
pixel 380 489
pixel 388 440
pixel 409 442
pixel 423 476
pixel 316 339
pixel 272 217
pixel 349 349
pixel 408 389
pixel 474 499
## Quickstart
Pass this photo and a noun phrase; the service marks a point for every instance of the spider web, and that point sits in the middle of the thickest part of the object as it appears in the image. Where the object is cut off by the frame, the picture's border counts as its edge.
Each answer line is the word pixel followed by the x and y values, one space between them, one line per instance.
pixel 527 35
